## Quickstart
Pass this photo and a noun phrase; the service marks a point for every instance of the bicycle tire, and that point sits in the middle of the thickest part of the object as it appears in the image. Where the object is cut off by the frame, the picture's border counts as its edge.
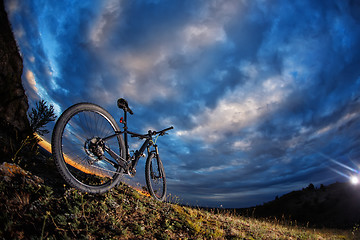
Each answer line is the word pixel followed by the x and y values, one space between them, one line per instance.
pixel 155 177
pixel 70 142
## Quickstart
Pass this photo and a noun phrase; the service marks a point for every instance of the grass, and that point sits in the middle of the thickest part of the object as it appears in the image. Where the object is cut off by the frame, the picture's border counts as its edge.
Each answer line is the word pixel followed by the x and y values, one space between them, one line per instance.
pixel 32 209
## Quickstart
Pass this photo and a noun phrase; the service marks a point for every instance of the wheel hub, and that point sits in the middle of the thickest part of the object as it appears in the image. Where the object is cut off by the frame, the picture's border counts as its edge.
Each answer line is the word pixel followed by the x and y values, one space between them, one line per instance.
pixel 94 148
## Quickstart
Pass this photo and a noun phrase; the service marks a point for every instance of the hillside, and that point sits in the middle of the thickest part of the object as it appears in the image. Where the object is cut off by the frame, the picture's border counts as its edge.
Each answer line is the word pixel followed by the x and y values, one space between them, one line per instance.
pixel 336 205
pixel 33 207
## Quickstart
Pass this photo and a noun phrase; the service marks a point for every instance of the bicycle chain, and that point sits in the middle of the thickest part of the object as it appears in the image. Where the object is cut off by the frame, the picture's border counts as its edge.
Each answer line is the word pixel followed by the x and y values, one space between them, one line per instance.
pixel 130 173
pixel 104 169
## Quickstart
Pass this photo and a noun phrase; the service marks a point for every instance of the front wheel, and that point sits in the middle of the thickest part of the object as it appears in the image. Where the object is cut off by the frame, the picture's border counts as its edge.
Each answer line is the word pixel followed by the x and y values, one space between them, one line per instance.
pixel 155 177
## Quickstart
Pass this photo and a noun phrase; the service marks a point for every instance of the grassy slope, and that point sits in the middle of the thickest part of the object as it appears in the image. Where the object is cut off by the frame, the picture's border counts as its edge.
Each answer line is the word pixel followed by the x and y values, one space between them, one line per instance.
pixel 34 207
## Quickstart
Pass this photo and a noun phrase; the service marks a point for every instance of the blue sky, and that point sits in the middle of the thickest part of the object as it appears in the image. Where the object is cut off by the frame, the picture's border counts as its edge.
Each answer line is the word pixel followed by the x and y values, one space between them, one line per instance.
pixel 263 94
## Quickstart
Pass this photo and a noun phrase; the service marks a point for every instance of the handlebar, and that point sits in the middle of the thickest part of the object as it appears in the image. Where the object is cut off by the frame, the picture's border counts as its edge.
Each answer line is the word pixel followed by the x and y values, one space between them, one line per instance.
pixel 151 133
pixel 162 132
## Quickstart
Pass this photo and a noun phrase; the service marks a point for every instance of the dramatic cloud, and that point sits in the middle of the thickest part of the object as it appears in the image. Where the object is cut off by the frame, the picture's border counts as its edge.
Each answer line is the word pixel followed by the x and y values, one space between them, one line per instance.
pixel 263 95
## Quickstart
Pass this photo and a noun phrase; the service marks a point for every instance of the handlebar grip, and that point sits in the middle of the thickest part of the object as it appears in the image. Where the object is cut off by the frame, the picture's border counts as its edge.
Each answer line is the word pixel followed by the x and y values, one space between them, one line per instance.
pixel 162 132
pixel 167 129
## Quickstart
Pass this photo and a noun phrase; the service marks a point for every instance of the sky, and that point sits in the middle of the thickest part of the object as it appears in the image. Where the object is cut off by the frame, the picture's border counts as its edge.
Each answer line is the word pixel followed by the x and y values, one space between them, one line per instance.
pixel 264 95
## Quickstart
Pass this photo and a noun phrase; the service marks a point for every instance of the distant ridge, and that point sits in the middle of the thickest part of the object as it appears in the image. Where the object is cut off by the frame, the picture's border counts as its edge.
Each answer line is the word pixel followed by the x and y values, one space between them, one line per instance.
pixel 336 205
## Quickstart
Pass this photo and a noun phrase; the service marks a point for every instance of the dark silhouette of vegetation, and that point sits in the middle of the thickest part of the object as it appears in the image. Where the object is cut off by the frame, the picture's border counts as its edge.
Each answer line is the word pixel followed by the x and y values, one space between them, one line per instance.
pixel 19 148
pixel 40 116
pixel 311 187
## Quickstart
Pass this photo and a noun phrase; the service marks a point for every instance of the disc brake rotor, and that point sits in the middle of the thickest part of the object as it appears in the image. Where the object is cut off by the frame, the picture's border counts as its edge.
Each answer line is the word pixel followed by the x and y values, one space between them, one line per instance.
pixel 94 148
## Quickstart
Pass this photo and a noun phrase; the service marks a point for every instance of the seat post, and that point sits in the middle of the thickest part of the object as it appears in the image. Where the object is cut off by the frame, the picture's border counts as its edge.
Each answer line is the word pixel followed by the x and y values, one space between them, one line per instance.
pixel 125 120
pixel 125 135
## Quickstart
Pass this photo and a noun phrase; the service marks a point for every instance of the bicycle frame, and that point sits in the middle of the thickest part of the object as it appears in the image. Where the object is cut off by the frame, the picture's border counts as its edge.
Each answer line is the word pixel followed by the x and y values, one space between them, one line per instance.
pixel 129 163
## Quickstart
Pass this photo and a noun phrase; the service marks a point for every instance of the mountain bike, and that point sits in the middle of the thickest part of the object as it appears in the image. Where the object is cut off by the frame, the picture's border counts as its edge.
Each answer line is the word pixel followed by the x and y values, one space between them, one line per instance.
pixel 91 152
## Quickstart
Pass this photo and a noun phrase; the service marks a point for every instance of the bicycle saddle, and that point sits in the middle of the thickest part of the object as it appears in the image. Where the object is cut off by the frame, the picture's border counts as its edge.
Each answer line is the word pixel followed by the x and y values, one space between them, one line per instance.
pixel 123 104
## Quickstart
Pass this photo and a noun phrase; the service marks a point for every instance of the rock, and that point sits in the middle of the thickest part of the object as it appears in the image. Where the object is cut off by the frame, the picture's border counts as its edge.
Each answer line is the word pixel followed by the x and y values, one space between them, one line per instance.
pixel 14 103
pixel 9 170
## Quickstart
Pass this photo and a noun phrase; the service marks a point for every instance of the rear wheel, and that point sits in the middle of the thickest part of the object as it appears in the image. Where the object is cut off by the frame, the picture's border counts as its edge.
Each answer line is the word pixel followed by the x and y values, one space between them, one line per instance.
pixel 155 177
pixel 80 152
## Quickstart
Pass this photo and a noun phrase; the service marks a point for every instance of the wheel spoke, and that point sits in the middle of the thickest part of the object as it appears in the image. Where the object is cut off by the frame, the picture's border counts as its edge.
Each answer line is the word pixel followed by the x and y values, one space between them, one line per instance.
pixel 155 178
pixel 78 144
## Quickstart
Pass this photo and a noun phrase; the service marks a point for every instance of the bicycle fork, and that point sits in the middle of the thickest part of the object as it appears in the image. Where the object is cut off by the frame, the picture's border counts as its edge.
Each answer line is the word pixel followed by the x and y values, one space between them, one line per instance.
pixel 156 155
